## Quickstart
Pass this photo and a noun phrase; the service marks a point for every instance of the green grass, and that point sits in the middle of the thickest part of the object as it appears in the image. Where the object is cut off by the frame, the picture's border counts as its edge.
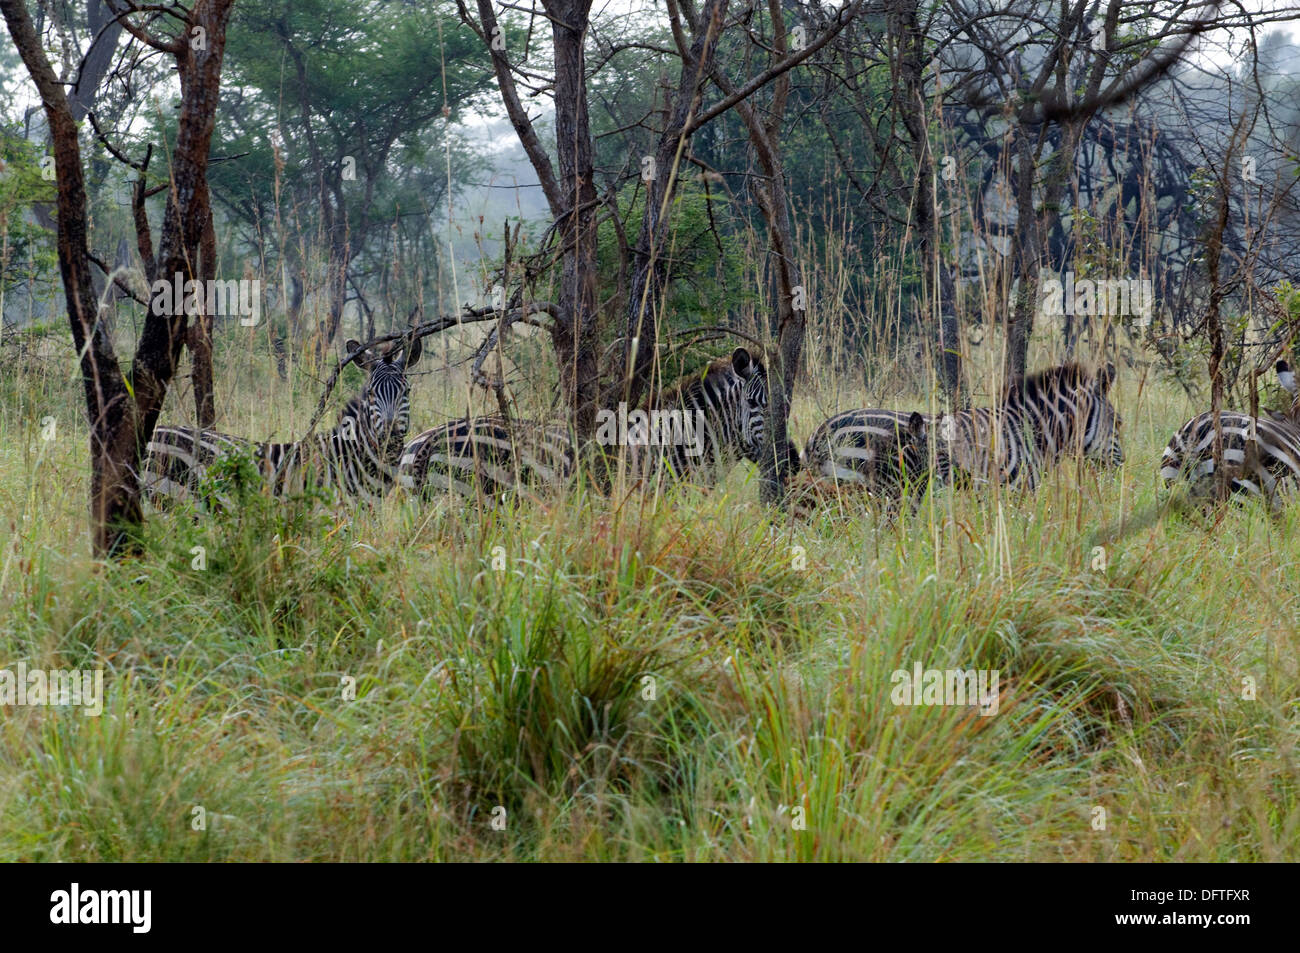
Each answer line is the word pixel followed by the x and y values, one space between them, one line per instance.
pixel 628 680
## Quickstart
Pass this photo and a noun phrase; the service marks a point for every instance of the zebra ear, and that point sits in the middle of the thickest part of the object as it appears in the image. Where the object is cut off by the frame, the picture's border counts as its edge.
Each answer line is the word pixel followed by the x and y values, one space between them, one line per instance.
pixel 414 351
pixel 742 362
pixel 1286 377
pixel 1106 377
pixel 916 425
pixel 352 347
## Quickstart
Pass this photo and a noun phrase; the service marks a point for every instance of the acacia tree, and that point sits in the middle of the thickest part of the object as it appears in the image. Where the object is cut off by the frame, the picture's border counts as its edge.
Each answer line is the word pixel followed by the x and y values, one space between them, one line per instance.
pixel 1031 79
pixel 122 409
pixel 348 87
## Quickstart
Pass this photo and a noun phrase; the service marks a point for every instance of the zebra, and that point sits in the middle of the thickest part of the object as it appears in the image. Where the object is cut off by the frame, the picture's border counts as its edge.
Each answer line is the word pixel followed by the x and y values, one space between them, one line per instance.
pixel 1261 455
pixel 712 421
pixel 1286 377
pixel 358 458
pixel 886 452
pixel 487 455
pixel 1043 417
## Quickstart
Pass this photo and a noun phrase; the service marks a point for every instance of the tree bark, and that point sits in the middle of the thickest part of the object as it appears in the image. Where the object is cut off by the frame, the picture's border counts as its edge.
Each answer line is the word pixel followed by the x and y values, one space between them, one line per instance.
pixel 121 417
pixel 791 320
pixel 575 339
pixel 649 269
pixel 199 340
pixel 938 281
pixel 109 408
pixel 1027 256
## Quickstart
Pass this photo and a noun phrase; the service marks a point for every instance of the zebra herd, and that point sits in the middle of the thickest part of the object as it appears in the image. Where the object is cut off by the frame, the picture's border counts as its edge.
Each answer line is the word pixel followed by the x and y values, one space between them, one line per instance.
pixel 366 455
pixel 890 455
pixel 1062 410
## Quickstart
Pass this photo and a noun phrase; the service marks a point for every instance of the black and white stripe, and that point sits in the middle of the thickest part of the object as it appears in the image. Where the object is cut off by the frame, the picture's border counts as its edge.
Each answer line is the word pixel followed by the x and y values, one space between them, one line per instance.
pixel 1064 410
pixel 1260 455
pixel 359 458
pixel 885 452
pixel 723 419
pixel 724 411
pixel 489 456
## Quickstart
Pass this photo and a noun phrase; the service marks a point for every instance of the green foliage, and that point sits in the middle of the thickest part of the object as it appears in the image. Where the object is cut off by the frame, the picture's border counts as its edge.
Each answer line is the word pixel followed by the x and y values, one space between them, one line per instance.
pixel 28 252
pixel 707 260
pixel 348 104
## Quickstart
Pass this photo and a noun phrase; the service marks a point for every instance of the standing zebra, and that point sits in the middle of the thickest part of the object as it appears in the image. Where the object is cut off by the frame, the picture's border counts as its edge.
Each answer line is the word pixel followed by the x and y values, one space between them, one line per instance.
pixel 1064 409
pixel 711 421
pixel 358 458
pixel 1261 455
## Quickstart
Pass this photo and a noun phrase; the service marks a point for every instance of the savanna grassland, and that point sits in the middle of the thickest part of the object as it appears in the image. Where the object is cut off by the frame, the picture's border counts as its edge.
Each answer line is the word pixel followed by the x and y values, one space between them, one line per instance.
pixel 641 678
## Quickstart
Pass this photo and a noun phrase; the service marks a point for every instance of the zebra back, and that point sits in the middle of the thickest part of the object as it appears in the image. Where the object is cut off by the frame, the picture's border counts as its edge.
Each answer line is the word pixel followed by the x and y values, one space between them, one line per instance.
pixel 885 451
pixel 1260 455
pixel 712 420
pixel 489 456
pixel 1063 410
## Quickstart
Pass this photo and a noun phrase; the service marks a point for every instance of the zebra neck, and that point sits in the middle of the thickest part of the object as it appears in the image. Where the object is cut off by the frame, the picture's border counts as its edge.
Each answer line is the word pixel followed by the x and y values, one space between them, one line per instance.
pixel 356 460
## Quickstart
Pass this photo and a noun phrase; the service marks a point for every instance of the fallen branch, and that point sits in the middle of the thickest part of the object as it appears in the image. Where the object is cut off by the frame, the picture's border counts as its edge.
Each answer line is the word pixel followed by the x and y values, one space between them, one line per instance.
pixel 424 329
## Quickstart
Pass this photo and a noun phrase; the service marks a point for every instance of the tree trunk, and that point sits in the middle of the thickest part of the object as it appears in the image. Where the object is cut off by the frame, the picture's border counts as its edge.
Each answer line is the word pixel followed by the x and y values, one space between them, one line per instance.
pixel 649 270
pixel 938 280
pixel 120 426
pixel 1027 260
pixel 114 503
pixel 200 336
pixel 791 313
pixel 575 339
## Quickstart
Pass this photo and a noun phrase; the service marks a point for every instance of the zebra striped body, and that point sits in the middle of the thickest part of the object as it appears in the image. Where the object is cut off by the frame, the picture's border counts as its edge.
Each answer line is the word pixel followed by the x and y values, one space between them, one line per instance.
pixel 887 452
pixel 1261 455
pixel 1060 411
pixel 720 417
pixel 486 455
pixel 358 458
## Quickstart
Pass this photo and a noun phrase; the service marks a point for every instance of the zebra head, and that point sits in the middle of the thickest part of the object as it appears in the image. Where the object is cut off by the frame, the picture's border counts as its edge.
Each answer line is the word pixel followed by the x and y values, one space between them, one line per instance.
pixel 750 388
pixel 383 409
pixel 1102 428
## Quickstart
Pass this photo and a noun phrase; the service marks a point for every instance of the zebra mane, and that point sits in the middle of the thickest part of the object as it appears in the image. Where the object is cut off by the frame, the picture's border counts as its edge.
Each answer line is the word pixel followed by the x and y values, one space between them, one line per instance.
pixel 354 408
pixel 1069 376
pixel 717 370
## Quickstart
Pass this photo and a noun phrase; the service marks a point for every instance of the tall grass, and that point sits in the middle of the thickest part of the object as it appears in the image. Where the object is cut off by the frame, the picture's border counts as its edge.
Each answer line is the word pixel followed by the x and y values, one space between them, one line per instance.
pixel 675 678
